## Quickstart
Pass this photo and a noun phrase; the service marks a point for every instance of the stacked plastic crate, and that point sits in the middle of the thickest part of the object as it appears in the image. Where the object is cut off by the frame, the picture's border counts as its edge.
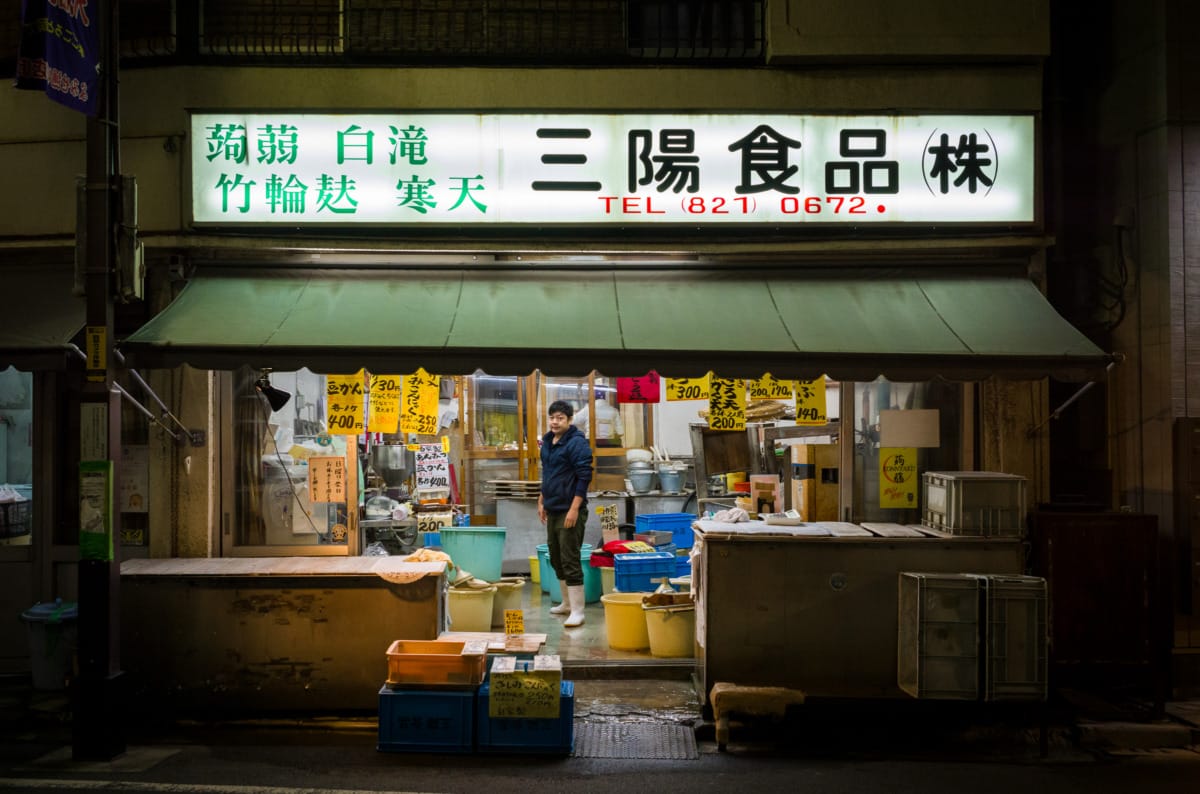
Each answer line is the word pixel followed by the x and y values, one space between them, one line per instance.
pixel 975 503
pixel 436 700
pixel 972 637
pixel 668 532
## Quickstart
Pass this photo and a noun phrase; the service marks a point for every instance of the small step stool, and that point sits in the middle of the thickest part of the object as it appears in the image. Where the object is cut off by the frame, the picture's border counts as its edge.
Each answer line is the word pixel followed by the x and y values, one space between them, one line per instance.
pixel 752 701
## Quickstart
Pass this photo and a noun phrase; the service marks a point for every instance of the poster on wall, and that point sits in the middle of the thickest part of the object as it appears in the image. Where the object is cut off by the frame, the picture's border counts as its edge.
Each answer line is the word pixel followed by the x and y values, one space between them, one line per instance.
pixel 898 477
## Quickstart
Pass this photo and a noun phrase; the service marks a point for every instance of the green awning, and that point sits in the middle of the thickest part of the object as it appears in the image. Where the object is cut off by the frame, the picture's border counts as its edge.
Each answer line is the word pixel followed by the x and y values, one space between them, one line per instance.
pixel 851 325
pixel 40 317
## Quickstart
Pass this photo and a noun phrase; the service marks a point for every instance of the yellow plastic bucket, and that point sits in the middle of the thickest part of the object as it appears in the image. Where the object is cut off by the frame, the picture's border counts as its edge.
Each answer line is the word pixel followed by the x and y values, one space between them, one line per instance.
pixel 534 570
pixel 625 621
pixel 471 609
pixel 509 593
pixel 672 630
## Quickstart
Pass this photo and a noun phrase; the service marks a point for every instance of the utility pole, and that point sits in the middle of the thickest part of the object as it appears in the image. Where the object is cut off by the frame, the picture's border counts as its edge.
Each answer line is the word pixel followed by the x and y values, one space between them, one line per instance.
pixel 98 732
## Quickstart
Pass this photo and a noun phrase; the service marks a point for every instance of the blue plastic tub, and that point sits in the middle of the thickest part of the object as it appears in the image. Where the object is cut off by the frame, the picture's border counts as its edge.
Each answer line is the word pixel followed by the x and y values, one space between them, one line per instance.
pixel 479 550
pixel 592 585
pixel 526 735
pixel 421 721
pixel 678 524
pixel 642 573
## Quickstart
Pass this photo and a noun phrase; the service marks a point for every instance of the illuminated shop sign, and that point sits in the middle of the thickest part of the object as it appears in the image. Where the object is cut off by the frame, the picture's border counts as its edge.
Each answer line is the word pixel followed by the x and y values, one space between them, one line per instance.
pixel 464 169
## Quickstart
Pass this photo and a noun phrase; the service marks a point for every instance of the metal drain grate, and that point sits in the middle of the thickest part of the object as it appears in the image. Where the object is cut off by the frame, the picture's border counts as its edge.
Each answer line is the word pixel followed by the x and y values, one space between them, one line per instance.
pixel 665 741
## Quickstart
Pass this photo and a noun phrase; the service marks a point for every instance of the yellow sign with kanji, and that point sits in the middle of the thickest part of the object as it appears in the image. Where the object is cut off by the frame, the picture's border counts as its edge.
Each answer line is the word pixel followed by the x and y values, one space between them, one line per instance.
pixel 726 403
pixel 327 479
pixel 419 403
pixel 514 622
pixel 96 342
pixel 767 388
pixel 897 476
pixel 687 389
pixel 344 403
pixel 385 404
pixel 810 402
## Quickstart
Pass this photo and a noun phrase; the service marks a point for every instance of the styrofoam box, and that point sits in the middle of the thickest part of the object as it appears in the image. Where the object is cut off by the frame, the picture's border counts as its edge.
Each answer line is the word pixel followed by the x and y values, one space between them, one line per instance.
pixel 983 503
pixel 524 735
pixel 425 721
pixel 938 635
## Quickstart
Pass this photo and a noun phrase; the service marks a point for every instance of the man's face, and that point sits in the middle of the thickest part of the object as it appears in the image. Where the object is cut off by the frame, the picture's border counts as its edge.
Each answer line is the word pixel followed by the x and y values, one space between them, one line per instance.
pixel 559 422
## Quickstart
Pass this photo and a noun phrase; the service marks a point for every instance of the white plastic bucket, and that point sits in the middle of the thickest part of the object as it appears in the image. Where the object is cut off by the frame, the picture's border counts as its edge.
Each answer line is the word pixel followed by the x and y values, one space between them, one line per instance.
pixel 471 609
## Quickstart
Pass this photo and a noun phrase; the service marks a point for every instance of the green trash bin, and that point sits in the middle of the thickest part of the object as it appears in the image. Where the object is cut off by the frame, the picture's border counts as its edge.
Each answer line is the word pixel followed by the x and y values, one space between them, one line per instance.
pixel 52 642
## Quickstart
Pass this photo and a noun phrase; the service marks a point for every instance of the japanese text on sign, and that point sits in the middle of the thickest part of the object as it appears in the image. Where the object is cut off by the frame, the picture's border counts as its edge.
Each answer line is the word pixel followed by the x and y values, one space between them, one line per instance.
pixel 767 388
pixel 419 403
pixel 687 389
pixel 726 403
pixel 897 477
pixel 433 466
pixel 519 689
pixel 326 479
pixel 462 168
pixel 643 389
pixel 810 402
pixel 385 403
pixel 344 397
pixel 514 622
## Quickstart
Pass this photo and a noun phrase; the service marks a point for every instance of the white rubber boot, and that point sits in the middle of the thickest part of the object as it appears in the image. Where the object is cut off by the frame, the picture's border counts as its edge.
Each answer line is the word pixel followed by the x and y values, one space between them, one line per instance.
pixel 565 607
pixel 577 604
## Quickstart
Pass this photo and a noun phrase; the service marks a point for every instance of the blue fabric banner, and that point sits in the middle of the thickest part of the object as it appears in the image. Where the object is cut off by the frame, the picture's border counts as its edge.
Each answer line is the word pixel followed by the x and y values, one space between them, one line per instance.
pixel 59 51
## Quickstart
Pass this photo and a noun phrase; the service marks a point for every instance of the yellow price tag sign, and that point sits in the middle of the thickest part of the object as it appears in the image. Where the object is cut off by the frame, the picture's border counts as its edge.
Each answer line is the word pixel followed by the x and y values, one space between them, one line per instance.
pixel 767 388
pixel 687 388
pixel 810 402
pixel 514 622
pixel 344 403
pixel 384 415
pixel 419 403
pixel 727 404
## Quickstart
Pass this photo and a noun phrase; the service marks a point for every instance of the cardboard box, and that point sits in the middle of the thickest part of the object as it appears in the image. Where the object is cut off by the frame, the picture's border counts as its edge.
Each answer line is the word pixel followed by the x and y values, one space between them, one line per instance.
pixel 815 481
pixel 525 689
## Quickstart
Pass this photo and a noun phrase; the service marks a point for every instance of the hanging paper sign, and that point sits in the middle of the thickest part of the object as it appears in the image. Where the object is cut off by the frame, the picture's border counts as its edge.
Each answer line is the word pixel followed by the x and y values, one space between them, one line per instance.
pixel 385 404
pixel 727 404
pixel 687 388
pixel 767 388
pixel 419 403
pixel 327 479
pixel 433 467
pixel 897 476
pixel 810 402
pixel 644 389
pixel 344 402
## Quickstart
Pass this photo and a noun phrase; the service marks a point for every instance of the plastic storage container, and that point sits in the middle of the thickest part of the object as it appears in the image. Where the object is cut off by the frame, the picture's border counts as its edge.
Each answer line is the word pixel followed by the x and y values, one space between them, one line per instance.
pixel 1015 667
pixel 524 735
pixel 625 622
pixel 509 595
pixel 678 524
pixel 938 644
pixel 15 518
pixel 479 550
pixel 471 608
pixel 984 503
pixel 423 721
pixel 591 577
pixel 436 662
pixel 671 630
pixel 52 642
pixel 642 573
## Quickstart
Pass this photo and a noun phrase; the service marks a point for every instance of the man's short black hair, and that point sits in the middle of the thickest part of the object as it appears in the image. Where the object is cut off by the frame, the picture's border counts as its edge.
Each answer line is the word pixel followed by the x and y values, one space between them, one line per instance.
pixel 561 407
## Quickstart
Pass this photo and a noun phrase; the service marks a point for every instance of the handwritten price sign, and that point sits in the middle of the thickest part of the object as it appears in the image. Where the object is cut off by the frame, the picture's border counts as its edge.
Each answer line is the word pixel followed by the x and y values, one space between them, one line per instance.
pixel 810 402
pixel 687 389
pixel 419 403
pixel 327 479
pixel 344 396
pixel 727 404
pixel 385 403
pixel 767 388
pixel 433 466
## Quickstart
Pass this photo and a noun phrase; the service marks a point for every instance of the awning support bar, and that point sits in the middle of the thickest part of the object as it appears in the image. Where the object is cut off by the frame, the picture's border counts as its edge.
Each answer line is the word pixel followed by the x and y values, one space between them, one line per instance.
pixel 1057 412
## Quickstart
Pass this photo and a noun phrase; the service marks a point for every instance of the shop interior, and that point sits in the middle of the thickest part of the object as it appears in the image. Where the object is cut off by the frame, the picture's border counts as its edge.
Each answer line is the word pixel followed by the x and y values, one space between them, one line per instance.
pixel 652 457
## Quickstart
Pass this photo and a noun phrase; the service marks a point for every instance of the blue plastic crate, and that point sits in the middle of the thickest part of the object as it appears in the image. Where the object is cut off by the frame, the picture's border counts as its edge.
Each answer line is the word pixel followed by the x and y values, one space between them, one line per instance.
pixel 679 524
pixel 635 573
pixel 524 735
pixel 683 566
pixel 426 721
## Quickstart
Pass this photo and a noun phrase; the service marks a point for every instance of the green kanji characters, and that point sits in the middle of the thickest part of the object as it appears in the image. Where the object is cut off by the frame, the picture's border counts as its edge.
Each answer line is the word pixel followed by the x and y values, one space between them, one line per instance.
pixel 466 191
pixel 355 143
pixel 287 197
pixel 227 186
pixel 415 195
pixel 331 195
pixel 228 140
pixel 277 144
pixel 408 143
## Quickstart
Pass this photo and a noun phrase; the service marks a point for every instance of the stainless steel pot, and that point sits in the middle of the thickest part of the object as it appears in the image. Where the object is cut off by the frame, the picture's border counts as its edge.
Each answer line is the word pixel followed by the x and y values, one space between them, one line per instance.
pixel 393 462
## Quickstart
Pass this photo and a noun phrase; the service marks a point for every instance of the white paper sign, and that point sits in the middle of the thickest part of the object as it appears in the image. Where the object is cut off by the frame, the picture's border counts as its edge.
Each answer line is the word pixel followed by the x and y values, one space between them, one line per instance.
pixel 433 467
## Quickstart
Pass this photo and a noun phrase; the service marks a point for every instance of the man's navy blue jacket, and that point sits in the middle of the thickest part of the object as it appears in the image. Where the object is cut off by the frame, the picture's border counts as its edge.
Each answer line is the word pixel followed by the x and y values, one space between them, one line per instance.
pixel 566 469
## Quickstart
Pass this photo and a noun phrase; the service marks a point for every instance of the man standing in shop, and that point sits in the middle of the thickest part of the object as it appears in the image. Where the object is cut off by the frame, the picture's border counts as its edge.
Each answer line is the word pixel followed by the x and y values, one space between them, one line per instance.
pixel 562 505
